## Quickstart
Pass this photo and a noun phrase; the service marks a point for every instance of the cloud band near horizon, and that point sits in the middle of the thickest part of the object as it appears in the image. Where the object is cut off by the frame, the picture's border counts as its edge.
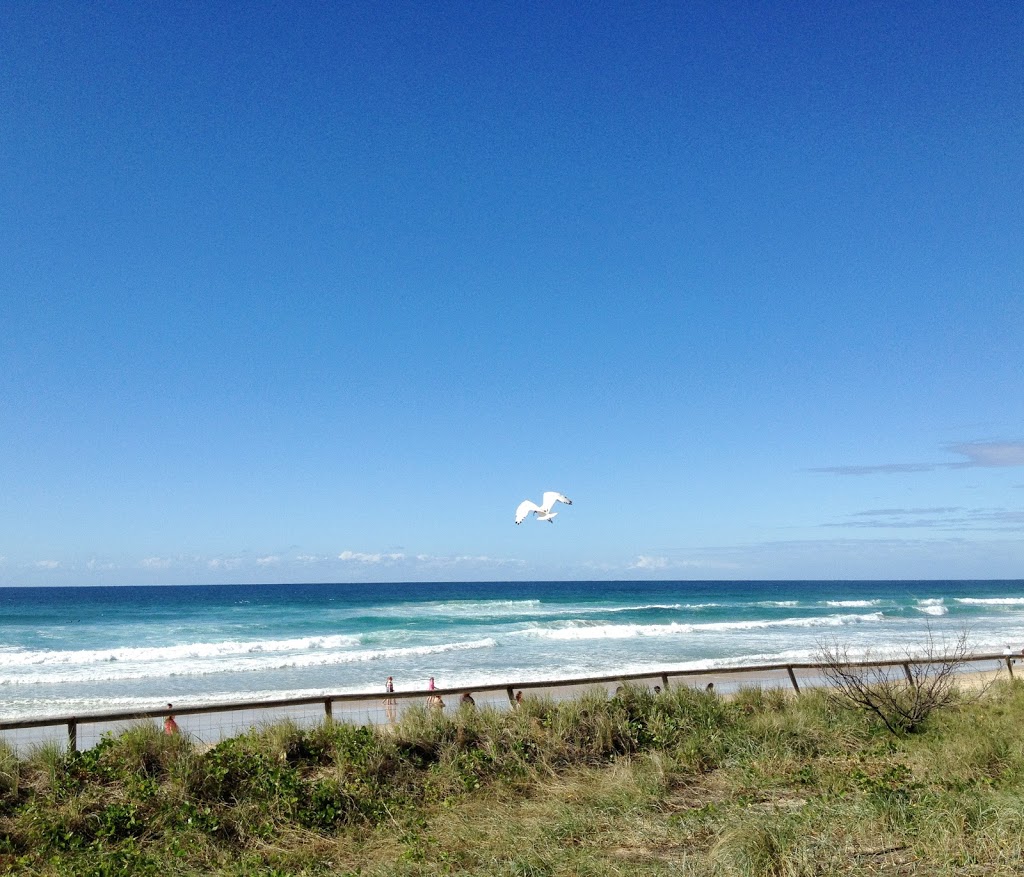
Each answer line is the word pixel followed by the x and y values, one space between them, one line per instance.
pixel 989 455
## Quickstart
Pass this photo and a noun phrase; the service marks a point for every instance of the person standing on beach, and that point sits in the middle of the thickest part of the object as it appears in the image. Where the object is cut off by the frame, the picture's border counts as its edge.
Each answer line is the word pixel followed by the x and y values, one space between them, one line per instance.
pixel 434 700
pixel 170 726
pixel 389 701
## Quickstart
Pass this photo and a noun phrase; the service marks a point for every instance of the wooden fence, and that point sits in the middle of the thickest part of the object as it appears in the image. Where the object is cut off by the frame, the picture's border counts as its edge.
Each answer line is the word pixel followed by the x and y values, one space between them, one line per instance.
pixel 812 674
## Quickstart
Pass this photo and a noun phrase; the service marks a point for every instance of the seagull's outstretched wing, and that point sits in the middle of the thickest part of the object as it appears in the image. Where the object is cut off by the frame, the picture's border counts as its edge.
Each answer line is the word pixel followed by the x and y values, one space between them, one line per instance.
pixel 525 507
pixel 551 497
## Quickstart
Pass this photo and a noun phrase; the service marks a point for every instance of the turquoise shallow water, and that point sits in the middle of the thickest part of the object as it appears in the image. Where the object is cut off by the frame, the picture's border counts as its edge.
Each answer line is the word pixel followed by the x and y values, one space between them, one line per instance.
pixel 65 650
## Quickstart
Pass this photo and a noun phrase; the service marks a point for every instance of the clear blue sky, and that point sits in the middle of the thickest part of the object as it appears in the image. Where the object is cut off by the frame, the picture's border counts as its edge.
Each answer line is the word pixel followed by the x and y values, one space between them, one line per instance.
pixel 321 291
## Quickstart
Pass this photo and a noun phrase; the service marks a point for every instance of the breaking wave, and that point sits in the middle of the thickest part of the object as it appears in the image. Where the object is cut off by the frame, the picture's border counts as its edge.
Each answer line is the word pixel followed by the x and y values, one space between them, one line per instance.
pixel 935 606
pixel 89 671
pixel 586 631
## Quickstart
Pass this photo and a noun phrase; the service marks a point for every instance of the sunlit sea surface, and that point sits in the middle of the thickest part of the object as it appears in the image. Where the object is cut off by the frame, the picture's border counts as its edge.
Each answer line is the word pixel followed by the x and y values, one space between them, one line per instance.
pixel 70 650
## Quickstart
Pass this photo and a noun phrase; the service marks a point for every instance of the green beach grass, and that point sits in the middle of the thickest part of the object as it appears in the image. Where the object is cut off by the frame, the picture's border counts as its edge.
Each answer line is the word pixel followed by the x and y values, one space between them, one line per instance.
pixel 680 783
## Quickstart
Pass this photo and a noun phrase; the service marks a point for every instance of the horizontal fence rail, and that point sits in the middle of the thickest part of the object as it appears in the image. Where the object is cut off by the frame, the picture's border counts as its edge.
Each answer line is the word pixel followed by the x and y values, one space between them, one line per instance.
pixel 378 708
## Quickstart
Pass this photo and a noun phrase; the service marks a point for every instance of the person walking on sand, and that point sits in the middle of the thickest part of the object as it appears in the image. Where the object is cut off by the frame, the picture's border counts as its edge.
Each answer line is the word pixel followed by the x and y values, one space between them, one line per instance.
pixel 434 700
pixel 389 701
pixel 467 700
pixel 170 726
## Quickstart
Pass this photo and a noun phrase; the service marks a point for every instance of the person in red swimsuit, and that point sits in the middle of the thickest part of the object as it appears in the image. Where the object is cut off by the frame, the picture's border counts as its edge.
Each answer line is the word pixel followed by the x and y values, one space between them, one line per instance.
pixel 170 726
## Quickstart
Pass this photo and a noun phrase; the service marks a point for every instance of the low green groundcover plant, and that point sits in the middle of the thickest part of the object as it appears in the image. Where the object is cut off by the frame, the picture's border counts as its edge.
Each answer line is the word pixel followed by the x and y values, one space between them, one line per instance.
pixel 681 782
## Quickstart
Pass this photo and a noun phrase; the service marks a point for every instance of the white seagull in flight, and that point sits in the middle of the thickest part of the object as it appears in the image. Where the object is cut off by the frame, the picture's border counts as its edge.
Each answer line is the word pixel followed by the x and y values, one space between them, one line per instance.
pixel 543 512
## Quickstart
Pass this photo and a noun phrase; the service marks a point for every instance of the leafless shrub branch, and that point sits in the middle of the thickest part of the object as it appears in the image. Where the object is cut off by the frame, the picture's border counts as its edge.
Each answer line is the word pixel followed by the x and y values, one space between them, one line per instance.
pixel 901 692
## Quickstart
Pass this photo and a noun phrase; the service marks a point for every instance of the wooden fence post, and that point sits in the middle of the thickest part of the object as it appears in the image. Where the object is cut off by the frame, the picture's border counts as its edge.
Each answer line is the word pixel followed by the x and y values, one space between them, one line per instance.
pixel 792 678
pixel 681 676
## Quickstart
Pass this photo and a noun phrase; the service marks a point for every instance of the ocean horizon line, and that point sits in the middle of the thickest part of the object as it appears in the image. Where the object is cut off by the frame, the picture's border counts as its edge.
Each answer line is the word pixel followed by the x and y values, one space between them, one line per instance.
pixel 479 581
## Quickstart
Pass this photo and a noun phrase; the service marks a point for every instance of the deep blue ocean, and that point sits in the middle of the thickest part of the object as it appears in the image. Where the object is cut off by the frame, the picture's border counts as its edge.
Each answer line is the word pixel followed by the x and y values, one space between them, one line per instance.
pixel 68 650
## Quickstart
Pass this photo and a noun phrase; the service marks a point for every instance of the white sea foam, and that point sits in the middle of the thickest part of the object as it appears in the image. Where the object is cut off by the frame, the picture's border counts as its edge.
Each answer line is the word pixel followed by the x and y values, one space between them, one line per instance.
pixel 498 609
pixel 474 609
pixel 589 631
pixel 934 606
pixel 778 604
pixel 249 662
pixel 852 604
pixel 594 610
pixel 186 651
pixel 81 706
pixel 462 608
pixel 990 601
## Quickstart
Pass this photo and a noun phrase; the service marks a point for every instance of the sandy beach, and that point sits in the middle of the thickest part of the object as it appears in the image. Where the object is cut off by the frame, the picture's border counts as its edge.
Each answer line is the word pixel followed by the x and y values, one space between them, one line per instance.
pixel 207 724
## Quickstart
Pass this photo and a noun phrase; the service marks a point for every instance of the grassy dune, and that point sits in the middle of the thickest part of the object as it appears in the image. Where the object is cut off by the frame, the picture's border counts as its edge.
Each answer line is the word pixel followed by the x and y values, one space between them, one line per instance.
pixel 680 783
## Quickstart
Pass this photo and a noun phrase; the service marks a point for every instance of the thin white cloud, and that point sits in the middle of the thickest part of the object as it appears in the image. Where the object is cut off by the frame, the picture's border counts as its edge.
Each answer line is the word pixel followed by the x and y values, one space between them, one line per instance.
pixel 156 563
pixel 934 510
pixel 989 454
pixel 47 564
pixel 601 566
pixel 953 518
pixel 986 455
pixel 659 563
pixel 649 562
pixel 857 550
pixel 269 560
pixel 312 558
pixel 463 559
pixel 93 564
pixel 362 557
pixel 225 563
pixel 879 469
